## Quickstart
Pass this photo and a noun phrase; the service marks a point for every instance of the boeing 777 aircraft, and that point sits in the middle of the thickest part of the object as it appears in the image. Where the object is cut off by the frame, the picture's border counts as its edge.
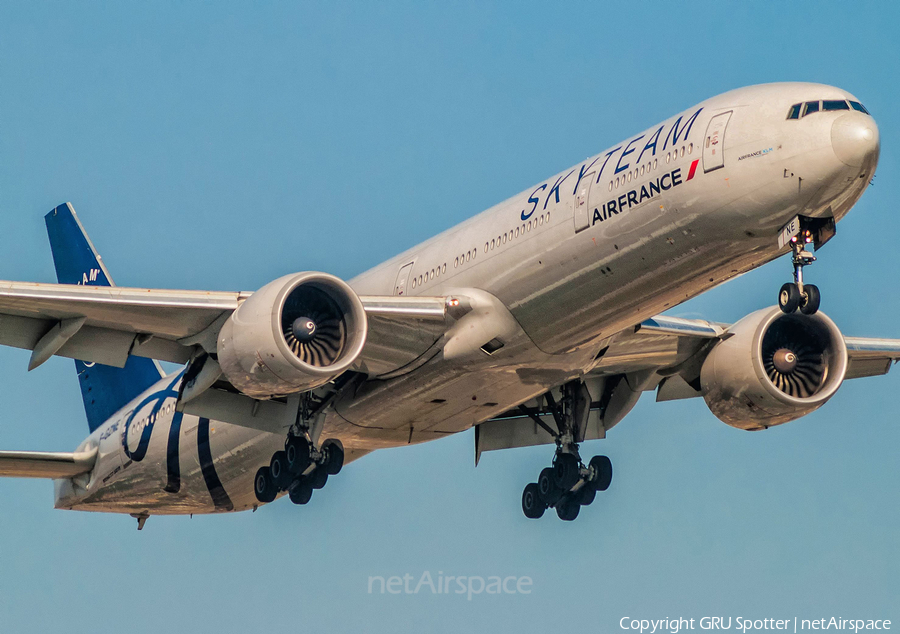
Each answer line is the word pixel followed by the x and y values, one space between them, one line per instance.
pixel 533 322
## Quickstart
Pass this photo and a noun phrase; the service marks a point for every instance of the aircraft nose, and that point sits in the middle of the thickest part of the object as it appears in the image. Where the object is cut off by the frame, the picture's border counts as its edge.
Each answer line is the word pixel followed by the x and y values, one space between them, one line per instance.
pixel 854 137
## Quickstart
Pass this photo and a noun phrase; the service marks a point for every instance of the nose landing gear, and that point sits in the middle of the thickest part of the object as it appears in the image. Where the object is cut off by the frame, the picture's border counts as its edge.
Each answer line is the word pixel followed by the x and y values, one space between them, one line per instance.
pixel 568 484
pixel 797 294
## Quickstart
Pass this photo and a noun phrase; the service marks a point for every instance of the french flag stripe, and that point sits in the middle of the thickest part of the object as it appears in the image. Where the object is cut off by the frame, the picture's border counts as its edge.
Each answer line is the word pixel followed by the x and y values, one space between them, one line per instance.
pixel 693 169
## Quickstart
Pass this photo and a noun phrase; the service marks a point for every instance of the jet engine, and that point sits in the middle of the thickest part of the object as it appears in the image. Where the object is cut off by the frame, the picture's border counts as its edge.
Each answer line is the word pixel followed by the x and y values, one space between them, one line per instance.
pixel 292 335
pixel 773 368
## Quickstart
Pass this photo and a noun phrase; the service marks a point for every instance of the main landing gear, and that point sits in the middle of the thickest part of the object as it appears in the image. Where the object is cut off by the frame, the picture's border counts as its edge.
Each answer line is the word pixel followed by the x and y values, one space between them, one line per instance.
pixel 568 484
pixel 301 468
pixel 797 294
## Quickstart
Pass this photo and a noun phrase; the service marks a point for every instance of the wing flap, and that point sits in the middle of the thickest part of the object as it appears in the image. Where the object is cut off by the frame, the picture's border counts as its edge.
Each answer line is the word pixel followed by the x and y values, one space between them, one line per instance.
pixel 44 464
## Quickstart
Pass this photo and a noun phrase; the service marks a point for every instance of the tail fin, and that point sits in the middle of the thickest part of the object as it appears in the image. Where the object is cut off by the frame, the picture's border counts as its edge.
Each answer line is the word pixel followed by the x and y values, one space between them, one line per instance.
pixel 105 389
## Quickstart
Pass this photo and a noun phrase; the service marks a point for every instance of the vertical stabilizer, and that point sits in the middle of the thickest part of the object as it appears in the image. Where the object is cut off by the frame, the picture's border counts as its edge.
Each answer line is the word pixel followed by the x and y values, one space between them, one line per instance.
pixel 105 389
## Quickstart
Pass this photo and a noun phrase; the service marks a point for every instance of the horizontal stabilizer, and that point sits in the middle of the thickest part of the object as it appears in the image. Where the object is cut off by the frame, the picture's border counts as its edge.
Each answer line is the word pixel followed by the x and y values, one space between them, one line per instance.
pixel 45 464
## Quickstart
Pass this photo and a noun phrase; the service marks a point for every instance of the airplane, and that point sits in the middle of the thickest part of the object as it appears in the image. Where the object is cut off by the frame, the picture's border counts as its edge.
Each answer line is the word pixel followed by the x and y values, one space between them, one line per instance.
pixel 537 322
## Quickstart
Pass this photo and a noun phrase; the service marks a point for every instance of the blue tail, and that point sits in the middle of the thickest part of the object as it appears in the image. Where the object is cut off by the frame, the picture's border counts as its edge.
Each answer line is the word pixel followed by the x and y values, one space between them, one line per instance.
pixel 105 389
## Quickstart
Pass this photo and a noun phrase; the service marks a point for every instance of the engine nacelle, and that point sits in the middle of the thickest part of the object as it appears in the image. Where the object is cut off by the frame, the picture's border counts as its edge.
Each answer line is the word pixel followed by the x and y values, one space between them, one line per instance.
pixel 774 368
pixel 292 335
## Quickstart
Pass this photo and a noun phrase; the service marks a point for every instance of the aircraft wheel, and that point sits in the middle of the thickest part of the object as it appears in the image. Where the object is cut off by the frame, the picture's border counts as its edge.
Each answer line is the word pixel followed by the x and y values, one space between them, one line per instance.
pixel 318 478
pixel 263 487
pixel 532 505
pixel 334 456
pixel 789 298
pixel 809 305
pixel 300 491
pixel 568 509
pixel 547 489
pixel 565 471
pixel 278 471
pixel 602 473
pixel 296 450
pixel 586 494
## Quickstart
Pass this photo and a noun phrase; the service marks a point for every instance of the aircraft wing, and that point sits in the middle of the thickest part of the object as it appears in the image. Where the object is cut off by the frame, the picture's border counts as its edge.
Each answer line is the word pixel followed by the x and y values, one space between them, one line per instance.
pixel 105 324
pixel 42 464
pixel 666 342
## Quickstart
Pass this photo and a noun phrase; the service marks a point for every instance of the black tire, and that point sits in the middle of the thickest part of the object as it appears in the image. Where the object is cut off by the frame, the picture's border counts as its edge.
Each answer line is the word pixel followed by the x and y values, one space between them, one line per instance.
pixel 586 495
pixel 789 298
pixel 548 492
pixel 318 478
pixel 334 456
pixel 565 471
pixel 263 487
pixel 297 451
pixel 278 471
pixel 532 505
pixel 568 509
pixel 300 491
pixel 602 474
pixel 811 299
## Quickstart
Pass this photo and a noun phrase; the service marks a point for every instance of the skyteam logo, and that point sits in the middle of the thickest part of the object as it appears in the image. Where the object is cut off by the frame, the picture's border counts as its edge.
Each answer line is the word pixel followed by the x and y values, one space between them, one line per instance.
pixel 633 154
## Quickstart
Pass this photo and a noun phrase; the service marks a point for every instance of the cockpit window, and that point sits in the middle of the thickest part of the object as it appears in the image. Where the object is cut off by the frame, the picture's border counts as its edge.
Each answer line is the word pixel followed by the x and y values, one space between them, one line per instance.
pixel 835 105
pixel 799 110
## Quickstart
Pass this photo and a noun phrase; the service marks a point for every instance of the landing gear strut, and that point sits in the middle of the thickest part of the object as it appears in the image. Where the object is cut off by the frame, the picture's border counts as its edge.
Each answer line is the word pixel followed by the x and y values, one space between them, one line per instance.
pixel 568 484
pixel 302 467
pixel 797 294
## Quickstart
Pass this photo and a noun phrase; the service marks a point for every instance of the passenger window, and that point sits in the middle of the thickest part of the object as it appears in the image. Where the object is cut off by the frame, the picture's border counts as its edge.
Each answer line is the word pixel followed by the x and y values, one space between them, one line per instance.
pixel 859 107
pixel 810 107
pixel 794 112
pixel 835 105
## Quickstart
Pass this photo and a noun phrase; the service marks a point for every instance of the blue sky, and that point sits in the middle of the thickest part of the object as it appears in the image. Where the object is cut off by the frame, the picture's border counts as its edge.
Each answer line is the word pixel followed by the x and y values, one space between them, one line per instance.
pixel 221 145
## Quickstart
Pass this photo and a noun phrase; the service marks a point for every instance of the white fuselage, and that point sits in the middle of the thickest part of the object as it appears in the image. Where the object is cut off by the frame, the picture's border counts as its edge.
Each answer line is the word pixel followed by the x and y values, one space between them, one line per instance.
pixel 643 226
